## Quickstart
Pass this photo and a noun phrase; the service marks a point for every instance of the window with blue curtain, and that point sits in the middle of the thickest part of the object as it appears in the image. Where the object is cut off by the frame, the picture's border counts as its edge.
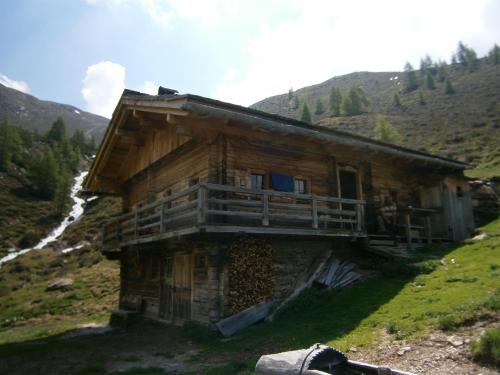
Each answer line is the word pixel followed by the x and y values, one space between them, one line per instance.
pixel 282 182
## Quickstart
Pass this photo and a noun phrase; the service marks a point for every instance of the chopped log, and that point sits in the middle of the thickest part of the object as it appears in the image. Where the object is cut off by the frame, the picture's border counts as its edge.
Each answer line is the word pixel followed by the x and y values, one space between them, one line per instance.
pixel 245 318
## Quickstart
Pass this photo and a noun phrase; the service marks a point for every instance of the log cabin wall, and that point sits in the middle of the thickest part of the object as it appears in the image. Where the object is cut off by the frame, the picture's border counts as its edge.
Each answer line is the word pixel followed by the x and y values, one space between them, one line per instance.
pixel 161 179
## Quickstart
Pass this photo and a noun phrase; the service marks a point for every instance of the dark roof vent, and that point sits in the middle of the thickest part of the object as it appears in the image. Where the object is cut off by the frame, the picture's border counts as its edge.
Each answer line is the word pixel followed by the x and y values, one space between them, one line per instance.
pixel 166 91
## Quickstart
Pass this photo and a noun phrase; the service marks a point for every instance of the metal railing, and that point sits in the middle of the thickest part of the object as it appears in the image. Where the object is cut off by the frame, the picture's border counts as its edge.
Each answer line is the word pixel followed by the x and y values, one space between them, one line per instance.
pixel 222 208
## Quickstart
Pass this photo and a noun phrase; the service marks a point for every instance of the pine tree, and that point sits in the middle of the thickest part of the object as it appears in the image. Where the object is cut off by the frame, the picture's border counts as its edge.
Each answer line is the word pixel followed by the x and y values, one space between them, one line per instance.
pixel 429 81
pixel 10 146
pixel 397 100
pixel 448 87
pixel 335 100
pixel 70 155
pixel 296 102
pixel 442 71
pixel 494 55
pixel 57 132
pixel 355 101
pixel 78 140
pixel 91 145
pixel 411 81
pixel 425 65
pixel 63 191
pixel 319 107
pixel 467 57
pixel 421 98
pixel 454 59
pixel 384 131
pixel 306 114
pixel 290 93
pixel 43 175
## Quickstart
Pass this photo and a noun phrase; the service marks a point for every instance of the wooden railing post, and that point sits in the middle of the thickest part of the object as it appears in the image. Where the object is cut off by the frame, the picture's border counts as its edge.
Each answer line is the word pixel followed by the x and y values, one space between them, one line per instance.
pixel 428 227
pixel 162 216
pixel 136 223
pixel 201 204
pixel 359 217
pixel 265 208
pixel 314 207
pixel 408 229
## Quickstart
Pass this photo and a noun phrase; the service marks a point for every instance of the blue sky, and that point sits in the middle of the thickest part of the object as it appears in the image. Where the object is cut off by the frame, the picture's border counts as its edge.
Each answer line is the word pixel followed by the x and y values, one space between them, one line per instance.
pixel 84 52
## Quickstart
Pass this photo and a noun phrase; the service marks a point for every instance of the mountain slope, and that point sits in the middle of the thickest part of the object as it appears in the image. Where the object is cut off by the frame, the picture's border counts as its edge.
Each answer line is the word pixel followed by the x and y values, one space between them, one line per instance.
pixel 29 112
pixel 463 126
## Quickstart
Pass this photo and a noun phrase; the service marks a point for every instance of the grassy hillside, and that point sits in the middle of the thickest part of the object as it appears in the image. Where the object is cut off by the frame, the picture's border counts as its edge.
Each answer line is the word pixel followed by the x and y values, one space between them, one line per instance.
pixel 464 125
pixel 32 113
pixel 441 291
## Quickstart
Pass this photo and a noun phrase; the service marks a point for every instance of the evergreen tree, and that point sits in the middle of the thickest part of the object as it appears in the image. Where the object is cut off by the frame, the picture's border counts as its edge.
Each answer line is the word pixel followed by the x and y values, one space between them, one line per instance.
pixel 43 175
pixel 467 57
pixel 454 59
pixel 70 156
pixel 78 140
pixel 355 101
pixel 429 81
pixel 448 87
pixel 397 100
pixel 63 191
pixel 319 107
pixel 91 145
pixel 421 98
pixel 425 65
pixel 442 71
pixel 10 146
pixel 296 102
pixel 306 114
pixel 411 81
pixel 335 100
pixel 290 93
pixel 57 132
pixel 494 55
pixel 384 131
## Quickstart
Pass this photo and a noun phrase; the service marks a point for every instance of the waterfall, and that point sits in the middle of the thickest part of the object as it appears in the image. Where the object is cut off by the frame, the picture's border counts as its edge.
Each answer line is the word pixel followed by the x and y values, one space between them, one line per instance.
pixel 74 214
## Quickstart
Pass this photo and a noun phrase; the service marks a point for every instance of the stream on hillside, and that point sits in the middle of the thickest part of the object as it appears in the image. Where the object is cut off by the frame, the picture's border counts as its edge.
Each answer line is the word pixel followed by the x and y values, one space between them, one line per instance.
pixel 72 216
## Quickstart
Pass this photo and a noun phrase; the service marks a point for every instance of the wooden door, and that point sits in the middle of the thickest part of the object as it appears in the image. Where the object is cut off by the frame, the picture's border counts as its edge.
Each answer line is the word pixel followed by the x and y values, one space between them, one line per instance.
pixel 182 277
pixel 166 289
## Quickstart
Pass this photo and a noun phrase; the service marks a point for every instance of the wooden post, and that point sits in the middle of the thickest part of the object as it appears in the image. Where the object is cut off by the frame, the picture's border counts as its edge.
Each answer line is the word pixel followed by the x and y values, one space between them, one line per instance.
pixel 314 204
pixel 428 227
pixel 408 229
pixel 136 219
pixel 162 216
pixel 265 206
pixel 359 217
pixel 201 204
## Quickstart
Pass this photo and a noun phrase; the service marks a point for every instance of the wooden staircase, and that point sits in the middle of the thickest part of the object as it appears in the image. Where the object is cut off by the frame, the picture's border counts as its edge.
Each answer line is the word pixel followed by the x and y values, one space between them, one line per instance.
pixel 391 246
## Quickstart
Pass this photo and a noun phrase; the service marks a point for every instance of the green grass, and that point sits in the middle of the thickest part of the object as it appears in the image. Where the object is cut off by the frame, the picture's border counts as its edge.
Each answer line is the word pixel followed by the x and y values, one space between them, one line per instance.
pixel 487 349
pixel 440 288
pixel 402 304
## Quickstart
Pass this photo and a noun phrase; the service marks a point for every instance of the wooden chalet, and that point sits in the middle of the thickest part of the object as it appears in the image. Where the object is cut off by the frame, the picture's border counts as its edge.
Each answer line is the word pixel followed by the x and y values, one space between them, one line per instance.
pixel 195 175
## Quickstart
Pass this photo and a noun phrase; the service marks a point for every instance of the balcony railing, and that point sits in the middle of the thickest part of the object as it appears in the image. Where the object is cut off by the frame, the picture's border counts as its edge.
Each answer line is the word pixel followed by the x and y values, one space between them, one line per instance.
pixel 224 209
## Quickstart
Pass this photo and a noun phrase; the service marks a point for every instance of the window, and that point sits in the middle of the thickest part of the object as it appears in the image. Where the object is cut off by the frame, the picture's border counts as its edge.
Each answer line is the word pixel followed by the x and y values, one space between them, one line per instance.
pixel 300 186
pixel 257 181
pixel 460 192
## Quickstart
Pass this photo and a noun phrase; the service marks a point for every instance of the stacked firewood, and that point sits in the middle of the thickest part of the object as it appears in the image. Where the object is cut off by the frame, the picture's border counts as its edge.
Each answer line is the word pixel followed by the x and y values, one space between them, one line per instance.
pixel 250 273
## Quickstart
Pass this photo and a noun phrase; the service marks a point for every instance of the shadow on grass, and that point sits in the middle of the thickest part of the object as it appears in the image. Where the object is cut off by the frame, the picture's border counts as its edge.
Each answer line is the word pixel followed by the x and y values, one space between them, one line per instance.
pixel 317 315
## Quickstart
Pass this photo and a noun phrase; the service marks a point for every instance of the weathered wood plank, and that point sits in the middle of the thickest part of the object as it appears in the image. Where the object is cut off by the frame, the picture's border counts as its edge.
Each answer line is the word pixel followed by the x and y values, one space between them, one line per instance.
pixel 244 319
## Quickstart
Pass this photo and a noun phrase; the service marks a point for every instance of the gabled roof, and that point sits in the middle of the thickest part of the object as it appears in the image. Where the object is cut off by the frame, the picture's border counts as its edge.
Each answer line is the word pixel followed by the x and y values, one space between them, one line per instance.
pixel 169 102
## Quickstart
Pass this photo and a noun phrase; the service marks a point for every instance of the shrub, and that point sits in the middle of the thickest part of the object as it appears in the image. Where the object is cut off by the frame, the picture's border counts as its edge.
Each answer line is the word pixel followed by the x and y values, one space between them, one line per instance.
pixel 487 349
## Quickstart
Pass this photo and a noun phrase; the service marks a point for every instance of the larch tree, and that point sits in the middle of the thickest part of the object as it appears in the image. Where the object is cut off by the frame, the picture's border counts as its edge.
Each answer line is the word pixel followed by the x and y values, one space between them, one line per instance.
pixel 448 87
pixel 384 131
pixel 335 100
pixel 494 55
pixel 306 114
pixel 411 79
pixel 320 108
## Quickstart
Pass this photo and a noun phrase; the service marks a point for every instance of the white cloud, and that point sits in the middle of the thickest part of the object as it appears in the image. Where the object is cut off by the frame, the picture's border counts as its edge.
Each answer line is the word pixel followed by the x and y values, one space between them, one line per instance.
pixel 330 38
pixel 102 87
pixel 148 87
pixel 13 84
pixel 162 12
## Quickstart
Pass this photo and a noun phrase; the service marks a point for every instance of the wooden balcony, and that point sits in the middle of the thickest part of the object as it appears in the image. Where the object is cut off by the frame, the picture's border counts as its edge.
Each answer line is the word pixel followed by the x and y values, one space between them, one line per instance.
pixel 211 208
